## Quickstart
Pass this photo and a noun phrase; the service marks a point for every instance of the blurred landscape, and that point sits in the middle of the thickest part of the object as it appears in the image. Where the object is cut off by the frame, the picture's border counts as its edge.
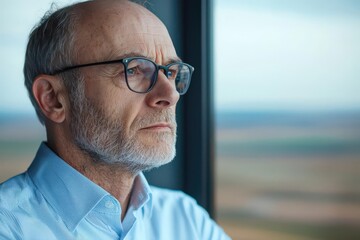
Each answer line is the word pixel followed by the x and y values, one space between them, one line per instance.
pixel 279 175
pixel 20 137
pixel 288 175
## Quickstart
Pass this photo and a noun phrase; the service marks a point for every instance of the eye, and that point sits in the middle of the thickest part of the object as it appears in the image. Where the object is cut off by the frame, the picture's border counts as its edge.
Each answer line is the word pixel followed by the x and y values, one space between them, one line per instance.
pixel 132 70
pixel 171 73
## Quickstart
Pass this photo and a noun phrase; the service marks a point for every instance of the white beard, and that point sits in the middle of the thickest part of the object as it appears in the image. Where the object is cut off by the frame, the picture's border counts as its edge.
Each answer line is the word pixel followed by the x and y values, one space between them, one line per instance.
pixel 105 140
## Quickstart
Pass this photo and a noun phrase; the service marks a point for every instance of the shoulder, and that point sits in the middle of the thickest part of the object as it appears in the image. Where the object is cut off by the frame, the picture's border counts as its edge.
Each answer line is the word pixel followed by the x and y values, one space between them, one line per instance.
pixel 9 225
pixel 12 194
pixel 15 190
pixel 175 201
pixel 183 210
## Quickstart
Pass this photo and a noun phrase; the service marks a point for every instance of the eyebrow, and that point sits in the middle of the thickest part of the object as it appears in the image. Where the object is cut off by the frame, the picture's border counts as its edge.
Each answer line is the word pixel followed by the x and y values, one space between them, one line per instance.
pixel 173 60
pixel 137 54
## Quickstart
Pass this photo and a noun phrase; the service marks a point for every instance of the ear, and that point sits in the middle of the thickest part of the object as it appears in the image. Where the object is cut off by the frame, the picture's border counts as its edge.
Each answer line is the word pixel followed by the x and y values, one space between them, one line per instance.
pixel 49 94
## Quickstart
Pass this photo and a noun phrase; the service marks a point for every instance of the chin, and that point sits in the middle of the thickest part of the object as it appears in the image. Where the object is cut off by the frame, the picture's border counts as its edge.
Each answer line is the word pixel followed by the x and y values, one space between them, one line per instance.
pixel 157 139
pixel 147 160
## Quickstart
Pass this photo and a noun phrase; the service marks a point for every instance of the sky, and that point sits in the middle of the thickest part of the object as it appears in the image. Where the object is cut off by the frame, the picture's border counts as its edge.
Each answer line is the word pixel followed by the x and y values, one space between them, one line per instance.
pixel 278 54
pixel 269 54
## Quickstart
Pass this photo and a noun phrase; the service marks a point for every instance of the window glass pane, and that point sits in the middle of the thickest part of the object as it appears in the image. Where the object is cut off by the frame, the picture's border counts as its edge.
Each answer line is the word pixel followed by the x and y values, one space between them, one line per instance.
pixel 287 85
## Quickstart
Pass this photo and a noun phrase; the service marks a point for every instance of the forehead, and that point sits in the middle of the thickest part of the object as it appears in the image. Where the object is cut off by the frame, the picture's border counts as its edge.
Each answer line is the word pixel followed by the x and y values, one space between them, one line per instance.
pixel 112 29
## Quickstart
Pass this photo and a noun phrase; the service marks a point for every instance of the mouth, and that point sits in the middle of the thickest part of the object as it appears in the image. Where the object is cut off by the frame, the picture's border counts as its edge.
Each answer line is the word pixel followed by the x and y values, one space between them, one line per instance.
pixel 158 127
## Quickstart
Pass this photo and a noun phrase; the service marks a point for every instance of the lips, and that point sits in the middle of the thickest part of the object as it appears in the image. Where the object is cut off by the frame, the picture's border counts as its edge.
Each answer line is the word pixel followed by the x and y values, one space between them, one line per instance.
pixel 158 126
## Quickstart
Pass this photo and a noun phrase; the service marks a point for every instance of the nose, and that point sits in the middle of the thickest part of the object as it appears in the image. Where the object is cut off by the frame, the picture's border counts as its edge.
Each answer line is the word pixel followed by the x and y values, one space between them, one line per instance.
pixel 163 94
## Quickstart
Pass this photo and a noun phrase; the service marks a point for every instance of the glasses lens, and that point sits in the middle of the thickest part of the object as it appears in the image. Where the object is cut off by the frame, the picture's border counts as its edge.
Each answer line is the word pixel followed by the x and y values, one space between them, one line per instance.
pixel 181 73
pixel 140 74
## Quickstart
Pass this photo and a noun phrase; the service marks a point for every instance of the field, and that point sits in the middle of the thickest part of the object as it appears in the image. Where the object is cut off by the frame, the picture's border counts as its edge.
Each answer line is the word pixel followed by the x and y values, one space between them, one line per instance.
pixel 20 135
pixel 288 176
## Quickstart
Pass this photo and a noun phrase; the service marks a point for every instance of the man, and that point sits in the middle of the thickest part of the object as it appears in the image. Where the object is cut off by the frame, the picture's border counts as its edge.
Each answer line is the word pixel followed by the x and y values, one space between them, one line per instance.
pixel 104 78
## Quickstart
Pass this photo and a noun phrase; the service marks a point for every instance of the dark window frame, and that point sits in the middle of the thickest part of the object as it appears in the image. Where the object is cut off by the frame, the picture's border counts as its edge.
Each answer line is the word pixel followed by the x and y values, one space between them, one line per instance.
pixel 190 26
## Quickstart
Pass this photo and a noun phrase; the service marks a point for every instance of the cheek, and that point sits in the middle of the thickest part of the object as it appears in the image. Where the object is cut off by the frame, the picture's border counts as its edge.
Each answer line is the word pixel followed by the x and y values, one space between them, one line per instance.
pixel 105 95
pixel 125 109
pixel 120 105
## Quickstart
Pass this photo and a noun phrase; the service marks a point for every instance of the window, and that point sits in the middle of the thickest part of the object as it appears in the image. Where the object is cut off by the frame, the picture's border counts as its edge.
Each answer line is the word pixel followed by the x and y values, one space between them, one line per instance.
pixel 287 118
pixel 20 131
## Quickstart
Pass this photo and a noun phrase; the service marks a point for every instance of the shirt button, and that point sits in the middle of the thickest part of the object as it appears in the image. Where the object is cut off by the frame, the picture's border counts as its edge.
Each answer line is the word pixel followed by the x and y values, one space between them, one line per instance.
pixel 109 204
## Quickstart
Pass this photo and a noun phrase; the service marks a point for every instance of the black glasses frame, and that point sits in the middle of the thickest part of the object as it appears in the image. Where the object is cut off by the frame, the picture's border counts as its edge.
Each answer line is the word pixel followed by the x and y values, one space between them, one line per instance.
pixel 125 62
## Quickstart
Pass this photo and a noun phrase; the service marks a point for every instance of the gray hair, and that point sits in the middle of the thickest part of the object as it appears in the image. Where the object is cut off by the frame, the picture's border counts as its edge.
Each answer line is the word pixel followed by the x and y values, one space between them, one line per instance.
pixel 50 48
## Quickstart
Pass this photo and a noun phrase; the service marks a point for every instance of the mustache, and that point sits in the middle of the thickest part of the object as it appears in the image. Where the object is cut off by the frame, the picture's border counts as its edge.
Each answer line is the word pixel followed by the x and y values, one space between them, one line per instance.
pixel 165 115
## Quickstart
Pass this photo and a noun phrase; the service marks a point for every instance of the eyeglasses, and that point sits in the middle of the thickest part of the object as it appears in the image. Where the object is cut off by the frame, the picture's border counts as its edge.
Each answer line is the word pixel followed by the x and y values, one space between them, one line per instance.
pixel 140 74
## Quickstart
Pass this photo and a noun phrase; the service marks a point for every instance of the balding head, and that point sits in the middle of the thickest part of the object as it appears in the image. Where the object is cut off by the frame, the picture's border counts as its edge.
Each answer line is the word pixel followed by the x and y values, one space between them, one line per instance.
pixel 116 28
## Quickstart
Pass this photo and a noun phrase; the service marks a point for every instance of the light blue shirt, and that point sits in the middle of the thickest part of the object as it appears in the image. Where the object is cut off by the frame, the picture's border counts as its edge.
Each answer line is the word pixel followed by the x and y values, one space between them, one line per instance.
pixel 52 200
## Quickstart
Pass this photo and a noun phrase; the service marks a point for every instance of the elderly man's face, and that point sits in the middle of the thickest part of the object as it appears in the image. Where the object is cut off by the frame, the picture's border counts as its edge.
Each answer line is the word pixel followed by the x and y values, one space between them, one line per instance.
pixel 108 121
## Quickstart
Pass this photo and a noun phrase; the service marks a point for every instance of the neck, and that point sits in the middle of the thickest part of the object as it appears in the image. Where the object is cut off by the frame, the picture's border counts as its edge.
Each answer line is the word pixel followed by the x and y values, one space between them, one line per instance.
pixel 113 178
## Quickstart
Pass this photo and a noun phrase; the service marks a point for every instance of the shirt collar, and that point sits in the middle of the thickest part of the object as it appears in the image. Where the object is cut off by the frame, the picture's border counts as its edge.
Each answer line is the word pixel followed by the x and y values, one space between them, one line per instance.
pixel 141 196
pixel 71 194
